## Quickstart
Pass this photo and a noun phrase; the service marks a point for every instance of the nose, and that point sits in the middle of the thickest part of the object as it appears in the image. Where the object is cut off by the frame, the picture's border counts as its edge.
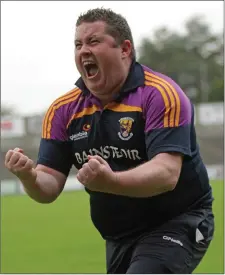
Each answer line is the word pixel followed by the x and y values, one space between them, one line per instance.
pixel 84 50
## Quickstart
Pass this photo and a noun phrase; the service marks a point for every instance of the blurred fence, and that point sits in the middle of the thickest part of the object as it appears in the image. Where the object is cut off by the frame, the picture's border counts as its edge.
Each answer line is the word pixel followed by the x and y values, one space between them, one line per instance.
pixel 25 132
pixel 13 187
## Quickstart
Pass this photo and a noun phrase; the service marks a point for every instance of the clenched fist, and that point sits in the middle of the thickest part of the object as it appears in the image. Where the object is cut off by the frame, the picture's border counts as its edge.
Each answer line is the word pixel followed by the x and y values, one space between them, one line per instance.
pixel 97 175
pixel 19 164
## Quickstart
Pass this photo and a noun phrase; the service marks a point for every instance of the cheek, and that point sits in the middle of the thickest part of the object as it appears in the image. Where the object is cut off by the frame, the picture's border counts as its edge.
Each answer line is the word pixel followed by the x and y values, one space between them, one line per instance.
pixel 109 57
pixel 77 61
pixel 76 57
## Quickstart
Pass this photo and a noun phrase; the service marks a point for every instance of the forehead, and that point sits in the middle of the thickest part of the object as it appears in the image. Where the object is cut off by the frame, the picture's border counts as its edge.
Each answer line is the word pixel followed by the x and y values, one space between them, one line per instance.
pixel 87 29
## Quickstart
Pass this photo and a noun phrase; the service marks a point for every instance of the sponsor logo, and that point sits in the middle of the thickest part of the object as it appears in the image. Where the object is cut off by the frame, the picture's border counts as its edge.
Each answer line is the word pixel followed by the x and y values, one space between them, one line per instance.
pixel 125 128
pixel 78 136
pixel 82 134
pixel 172 240
pixel 199 236
pixel 107 152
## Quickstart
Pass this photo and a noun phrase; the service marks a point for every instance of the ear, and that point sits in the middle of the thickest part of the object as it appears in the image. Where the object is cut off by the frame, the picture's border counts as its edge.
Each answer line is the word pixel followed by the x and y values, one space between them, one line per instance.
pixel 126 48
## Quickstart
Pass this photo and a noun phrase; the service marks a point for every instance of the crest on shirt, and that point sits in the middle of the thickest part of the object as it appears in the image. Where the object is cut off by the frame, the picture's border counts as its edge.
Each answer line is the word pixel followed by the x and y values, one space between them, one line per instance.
pixel 86 127
pixel 126 124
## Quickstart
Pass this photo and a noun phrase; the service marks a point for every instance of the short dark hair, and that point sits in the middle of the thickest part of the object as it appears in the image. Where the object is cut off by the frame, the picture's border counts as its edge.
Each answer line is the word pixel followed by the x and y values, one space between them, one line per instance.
pixel 117 27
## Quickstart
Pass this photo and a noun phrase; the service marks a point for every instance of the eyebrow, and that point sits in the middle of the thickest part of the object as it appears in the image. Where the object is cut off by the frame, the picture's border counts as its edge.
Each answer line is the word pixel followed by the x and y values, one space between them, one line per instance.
pixel 88 38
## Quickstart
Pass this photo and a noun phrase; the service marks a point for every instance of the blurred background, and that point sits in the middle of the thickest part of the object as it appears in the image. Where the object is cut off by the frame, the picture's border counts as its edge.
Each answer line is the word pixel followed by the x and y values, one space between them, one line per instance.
pixel 183 40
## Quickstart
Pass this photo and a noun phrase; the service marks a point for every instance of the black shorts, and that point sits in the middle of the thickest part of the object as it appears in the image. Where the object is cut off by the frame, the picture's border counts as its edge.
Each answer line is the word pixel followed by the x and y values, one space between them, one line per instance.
pixel 176 247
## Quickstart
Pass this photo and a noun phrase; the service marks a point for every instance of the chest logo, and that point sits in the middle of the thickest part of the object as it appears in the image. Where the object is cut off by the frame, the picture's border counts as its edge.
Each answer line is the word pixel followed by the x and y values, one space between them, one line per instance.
pixel 82 134
pixel 126 124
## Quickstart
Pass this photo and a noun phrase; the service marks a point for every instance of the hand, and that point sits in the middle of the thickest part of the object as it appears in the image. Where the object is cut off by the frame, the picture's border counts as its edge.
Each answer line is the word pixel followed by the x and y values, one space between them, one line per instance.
pixel 19 164
pixel 97 175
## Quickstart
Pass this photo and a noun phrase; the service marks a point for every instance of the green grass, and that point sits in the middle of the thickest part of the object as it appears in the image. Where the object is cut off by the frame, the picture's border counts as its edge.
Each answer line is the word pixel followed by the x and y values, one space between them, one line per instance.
pixel 60 238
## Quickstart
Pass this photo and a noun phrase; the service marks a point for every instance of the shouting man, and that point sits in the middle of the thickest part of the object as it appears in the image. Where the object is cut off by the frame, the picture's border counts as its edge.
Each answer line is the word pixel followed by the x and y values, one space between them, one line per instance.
pixel 130 132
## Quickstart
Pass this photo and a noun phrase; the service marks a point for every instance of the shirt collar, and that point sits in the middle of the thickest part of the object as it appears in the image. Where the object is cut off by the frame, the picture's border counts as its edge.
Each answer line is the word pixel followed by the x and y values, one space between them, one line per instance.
pixel 134 80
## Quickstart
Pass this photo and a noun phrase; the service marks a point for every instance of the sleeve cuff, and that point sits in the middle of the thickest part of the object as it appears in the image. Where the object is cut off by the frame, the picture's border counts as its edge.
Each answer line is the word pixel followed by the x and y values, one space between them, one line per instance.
pixel 169 149
pixel 49 164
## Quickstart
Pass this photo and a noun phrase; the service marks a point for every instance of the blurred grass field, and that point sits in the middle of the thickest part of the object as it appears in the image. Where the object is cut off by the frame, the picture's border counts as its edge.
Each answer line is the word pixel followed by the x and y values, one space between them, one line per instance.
pixel 60 238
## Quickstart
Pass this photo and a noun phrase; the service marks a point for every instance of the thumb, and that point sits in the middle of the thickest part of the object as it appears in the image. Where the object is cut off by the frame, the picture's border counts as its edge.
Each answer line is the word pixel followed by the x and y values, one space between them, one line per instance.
pixel 19 150
pixel 98 158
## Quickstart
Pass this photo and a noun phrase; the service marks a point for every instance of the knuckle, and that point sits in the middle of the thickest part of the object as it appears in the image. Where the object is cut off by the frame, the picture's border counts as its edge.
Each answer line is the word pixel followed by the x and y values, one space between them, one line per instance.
pixel 101 169
pixel 15 155
pixel 21 163
pixel 85 165
pixel 93 163
pixel 24 158
pixel 26 162
pixel 30 163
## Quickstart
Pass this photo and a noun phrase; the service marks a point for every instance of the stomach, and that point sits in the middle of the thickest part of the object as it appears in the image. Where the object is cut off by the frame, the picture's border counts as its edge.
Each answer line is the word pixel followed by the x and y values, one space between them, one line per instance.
pixel 117 216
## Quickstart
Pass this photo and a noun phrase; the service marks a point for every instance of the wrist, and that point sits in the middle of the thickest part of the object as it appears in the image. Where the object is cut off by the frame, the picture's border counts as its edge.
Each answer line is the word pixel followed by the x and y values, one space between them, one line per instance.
pixel 29 178
pixel 117 186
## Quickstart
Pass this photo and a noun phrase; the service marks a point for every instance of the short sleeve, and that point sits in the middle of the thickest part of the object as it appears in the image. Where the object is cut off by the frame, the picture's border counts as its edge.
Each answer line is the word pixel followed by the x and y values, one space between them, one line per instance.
pixel 168 118
pixel 54 149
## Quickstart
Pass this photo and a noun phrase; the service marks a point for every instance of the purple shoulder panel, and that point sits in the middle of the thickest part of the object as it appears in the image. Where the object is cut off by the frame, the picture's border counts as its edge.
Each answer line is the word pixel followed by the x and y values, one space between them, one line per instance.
pixel 60 113
pixel 165 103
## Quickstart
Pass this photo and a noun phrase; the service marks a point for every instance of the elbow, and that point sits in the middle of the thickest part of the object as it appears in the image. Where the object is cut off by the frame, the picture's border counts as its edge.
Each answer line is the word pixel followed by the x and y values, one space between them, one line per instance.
pixel 42 199
pixel 170 166
pixel 172 179
pixel 171 184
pixel 48 201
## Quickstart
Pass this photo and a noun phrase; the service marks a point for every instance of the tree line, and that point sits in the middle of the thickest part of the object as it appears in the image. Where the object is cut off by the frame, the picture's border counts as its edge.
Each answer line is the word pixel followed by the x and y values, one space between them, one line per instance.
pixel 193 58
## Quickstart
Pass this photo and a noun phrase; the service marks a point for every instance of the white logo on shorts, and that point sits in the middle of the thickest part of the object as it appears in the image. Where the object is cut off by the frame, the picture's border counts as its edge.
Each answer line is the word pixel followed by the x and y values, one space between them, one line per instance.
pixel 199 236
pixel 172 240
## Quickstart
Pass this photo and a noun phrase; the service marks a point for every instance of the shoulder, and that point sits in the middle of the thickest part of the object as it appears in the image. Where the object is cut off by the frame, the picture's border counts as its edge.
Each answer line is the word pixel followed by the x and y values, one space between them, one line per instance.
pixel 162 86
pixel 161 82
pixel 64 101
pixel 66 98
pixel 59 111
pixel 162 94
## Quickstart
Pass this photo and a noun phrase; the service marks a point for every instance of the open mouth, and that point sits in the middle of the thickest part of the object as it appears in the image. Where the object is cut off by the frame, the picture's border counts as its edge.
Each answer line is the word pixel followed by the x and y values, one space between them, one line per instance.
pixel 91 69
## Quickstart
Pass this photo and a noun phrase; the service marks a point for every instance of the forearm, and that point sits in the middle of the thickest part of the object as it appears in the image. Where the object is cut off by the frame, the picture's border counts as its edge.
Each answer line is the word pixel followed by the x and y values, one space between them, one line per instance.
pixel 147 180
pixel 42 188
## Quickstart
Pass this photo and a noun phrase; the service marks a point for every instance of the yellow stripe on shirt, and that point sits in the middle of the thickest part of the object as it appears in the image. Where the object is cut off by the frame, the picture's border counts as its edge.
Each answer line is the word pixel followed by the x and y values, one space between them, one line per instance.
pixel 67 98
pixel 174 116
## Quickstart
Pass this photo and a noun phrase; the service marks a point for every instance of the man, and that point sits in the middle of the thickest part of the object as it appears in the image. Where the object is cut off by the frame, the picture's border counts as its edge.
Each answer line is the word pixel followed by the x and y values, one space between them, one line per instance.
pixel 130 132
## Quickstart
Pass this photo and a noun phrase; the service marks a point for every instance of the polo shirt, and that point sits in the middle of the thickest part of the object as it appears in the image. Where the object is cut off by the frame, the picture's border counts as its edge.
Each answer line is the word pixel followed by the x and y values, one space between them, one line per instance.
pixel 150 115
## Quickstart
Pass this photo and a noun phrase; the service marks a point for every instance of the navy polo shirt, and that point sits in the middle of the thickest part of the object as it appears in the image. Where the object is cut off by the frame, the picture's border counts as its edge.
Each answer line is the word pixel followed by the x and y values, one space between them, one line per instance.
pixel 150 115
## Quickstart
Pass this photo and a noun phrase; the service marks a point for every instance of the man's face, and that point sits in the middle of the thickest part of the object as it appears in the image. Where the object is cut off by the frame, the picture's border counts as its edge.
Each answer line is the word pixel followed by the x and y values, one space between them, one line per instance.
pixel 98 58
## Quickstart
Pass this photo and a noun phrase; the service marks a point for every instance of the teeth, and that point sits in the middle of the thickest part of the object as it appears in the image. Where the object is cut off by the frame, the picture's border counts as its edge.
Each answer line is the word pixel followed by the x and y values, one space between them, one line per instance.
pixel 87 63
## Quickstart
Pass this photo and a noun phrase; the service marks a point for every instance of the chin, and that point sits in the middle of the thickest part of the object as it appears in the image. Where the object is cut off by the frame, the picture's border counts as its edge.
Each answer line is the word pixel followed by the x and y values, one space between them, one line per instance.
pixel 95 87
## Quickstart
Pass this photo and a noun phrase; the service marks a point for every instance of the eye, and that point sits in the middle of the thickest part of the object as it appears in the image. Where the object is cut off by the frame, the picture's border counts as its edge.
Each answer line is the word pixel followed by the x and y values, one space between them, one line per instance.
pixel 78 46
pixel 94 41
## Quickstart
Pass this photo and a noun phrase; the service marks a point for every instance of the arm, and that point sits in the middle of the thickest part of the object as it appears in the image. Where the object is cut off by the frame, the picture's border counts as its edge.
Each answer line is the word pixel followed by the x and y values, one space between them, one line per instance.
pixel 54 160
pixel 44 184
pixel 152 178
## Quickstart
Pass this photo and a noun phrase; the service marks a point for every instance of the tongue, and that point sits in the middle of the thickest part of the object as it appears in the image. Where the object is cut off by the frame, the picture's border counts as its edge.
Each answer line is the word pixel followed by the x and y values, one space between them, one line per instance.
pixel 93 70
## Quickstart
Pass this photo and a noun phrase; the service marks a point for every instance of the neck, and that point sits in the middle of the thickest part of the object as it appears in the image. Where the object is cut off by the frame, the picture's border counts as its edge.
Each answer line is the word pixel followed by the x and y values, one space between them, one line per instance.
pixel 106 98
